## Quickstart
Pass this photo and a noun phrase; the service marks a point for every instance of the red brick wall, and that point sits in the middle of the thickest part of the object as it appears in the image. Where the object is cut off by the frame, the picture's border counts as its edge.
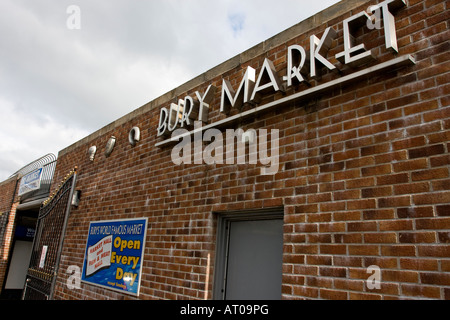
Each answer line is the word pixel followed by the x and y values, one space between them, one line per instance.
pixel 7 218
pixel 363 179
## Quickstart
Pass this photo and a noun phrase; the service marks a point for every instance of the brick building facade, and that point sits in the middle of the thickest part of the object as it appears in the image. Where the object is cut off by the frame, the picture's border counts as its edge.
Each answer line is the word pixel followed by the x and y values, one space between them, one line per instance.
pixel 7 216
pixel 362 178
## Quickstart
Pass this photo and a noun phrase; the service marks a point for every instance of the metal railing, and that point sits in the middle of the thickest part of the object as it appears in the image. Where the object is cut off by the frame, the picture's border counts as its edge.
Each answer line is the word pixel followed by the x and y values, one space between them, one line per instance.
pixel 48 164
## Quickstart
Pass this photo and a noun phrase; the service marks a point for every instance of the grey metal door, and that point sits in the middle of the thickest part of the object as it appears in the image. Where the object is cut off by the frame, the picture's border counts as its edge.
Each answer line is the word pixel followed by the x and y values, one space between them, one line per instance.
pixel 250 257
pixel 47 243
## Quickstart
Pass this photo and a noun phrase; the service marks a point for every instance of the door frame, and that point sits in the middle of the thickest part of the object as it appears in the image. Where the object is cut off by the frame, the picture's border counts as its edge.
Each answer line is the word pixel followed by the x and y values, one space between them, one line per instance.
pixel 222 240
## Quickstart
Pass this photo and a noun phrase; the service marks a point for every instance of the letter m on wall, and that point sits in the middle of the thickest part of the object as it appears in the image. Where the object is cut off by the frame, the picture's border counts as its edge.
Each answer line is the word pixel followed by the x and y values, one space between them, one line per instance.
pixel 231 98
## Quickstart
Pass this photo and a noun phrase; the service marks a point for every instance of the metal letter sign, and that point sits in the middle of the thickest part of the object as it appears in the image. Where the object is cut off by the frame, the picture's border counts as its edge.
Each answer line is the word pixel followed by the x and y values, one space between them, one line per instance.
pixel 300 66
pixel 114 253
pixel 30 181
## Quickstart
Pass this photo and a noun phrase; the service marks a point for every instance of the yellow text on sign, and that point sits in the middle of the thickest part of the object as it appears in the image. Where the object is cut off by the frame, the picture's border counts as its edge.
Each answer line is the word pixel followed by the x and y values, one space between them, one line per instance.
pixel 124 244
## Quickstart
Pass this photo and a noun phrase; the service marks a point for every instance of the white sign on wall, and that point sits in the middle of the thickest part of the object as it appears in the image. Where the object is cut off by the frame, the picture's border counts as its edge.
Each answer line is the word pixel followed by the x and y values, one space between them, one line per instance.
pixel 30 181
pixel 43 257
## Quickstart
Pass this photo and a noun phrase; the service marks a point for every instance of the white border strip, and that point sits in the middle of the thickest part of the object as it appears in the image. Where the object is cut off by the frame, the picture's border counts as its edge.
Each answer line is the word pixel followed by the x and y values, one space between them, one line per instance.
pixel 397 62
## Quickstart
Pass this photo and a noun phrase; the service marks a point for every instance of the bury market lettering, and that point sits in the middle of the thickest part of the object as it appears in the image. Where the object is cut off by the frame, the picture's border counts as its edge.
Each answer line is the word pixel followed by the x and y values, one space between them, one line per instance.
pixel 125 260
pixel 300 66
pixel 186 111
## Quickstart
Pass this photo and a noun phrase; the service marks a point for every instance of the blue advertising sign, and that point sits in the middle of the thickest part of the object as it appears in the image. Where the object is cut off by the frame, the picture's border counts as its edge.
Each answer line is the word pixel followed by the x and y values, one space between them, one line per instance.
pixel 114 254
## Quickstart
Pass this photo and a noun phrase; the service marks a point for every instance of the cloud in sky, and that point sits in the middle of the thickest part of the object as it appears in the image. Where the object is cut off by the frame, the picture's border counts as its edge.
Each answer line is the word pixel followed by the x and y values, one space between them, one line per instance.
pixel 237 21
pixel 58 85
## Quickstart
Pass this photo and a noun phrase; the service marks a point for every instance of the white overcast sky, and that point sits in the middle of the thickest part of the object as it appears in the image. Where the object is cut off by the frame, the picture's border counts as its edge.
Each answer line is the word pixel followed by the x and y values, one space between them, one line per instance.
pixel 58 85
